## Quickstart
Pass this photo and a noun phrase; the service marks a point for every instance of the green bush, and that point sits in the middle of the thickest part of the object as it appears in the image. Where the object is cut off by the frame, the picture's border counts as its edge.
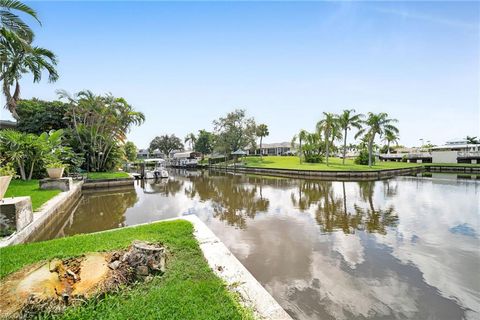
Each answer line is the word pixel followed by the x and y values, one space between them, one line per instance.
pixel 362 158
pixel 313 158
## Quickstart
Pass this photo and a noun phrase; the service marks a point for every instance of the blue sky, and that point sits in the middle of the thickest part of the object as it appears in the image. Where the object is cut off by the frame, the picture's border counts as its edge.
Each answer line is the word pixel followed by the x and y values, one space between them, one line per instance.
pixel 184 64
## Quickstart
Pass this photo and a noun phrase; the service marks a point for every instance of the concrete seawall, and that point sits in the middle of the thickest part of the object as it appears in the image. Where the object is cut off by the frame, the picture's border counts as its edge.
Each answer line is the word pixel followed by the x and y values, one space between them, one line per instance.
pixel 107 183
pixel 326 175
pixel 46 216
pixel 452 169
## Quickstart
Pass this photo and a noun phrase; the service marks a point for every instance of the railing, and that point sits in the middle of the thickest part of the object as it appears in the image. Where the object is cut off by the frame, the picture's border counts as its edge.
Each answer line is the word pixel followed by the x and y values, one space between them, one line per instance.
pixel 407 155
pixel 469 154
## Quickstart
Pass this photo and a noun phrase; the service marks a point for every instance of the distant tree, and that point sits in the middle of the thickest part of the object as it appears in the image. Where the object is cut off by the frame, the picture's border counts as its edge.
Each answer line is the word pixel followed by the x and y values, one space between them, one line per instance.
pixel 262 131
pixel 376 124
pixel 472 140
pixel 346 121
pixel 312 148
pixel 37 116
pixel 234 131
pixel 390 137
pixel 191 139
pixel 130 151
pixel 166 144
pixel 204 142
pixel 302 135
pixel 328 126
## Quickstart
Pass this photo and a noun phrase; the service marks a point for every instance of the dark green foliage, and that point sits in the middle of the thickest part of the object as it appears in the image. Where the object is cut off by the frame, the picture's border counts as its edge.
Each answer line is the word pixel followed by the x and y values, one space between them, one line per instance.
pixel 130 151
pixel 204 143
pixel 234 131
pixel 166 144
pixel 314 158
pixel 362 158
pixel 37 116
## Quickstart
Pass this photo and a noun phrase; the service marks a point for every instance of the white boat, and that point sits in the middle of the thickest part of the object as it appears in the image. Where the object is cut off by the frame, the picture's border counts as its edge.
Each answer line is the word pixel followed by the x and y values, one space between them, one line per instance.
pixel 158 171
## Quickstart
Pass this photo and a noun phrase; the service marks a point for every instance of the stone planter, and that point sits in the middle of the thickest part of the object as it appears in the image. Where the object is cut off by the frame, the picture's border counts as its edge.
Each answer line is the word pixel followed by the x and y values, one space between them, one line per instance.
pixel 55 173
pixel 4 182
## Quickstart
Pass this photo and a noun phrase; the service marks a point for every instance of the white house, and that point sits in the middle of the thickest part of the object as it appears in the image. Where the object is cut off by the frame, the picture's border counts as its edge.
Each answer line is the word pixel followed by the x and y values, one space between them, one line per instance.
pixel 457 151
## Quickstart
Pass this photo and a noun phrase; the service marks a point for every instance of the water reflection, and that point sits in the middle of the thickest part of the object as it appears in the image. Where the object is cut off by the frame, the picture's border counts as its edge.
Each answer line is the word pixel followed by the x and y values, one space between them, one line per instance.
pixel 404 248
pixel 232 199
pixel 99 211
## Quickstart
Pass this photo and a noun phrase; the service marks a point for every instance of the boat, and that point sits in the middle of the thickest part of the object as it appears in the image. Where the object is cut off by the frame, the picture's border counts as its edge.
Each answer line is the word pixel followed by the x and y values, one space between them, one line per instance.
pixel 159 171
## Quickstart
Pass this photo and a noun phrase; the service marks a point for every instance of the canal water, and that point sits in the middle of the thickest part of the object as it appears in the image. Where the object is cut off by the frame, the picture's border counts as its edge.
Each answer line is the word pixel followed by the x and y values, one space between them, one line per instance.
pixel 403 248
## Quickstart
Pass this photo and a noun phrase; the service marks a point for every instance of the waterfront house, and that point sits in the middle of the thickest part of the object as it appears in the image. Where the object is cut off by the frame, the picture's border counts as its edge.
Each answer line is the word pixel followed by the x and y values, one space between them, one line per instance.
pixel 272 149
pixel 456 151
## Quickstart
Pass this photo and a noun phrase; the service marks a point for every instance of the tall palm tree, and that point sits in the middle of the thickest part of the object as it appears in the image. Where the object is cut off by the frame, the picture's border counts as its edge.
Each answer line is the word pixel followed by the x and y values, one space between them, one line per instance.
pixel 328 126
pixel 262 131
pixel 376 124
pixel 302 136
pixel 191 139
pixel 390 137
pixel 12 24
pixel 17 61
pixel 346 121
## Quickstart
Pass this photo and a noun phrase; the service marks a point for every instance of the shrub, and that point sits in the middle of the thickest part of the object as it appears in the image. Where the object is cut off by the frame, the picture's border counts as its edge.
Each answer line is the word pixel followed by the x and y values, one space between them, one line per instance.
pixel 313 158
pixel 362 158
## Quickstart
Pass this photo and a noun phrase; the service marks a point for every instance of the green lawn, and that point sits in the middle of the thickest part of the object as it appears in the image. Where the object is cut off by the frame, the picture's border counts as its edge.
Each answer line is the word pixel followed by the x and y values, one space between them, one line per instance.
pixel 107 175
pixel 335 164
pixel 188 289
pixel 19 188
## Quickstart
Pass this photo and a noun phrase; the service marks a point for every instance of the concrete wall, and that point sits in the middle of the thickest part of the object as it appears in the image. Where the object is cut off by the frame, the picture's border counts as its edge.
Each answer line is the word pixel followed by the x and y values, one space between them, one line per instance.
pixel 444 156
pixel 326 175
pixel 48 214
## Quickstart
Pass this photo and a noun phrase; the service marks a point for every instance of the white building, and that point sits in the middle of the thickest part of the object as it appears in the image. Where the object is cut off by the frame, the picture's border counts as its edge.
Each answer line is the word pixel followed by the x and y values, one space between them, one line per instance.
pixel 273 149
pixel 458 151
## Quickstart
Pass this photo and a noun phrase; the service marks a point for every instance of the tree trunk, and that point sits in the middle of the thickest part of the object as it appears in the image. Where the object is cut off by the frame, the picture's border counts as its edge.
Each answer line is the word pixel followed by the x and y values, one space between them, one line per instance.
pixel 327 147
pixel 300 150
pixel 344 146
pixel 261 155
pixel 370 151
pixel 11 100
pixel 388 147
pixel 31 171
pixel 22 169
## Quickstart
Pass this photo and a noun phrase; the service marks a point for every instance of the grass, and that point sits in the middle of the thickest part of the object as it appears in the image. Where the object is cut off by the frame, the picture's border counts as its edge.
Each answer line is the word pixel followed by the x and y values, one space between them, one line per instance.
pixel 335 164
pixel 107 175
pixel 188 290
pixel 20 188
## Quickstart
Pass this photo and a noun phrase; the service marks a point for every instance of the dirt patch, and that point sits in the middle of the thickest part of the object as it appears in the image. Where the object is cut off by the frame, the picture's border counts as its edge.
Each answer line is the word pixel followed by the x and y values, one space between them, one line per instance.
pixel 56 284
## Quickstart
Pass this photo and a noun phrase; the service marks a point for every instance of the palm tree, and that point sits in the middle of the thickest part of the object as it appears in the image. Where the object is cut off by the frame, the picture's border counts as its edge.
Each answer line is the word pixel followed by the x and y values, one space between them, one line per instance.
pixel 17 61
pixel 191 139
pixel 262 131
pixel 329 127
pixel 472 140
pixel 302 136
pixel 376 124
pixel 11 25
pixel 346 121
pixel 390 137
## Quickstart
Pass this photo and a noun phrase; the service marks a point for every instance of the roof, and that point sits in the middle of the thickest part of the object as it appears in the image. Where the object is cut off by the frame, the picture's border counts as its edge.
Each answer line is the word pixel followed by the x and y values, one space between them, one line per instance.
pixel 182 154
pixel 239 153
pixel 455 146
pixel 277 145
pixel 7 124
